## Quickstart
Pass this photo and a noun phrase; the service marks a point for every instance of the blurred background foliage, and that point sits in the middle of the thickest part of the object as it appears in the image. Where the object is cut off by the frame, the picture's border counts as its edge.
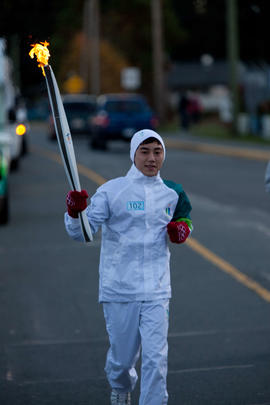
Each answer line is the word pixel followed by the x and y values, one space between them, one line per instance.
pixel 125 32
pixel 191 28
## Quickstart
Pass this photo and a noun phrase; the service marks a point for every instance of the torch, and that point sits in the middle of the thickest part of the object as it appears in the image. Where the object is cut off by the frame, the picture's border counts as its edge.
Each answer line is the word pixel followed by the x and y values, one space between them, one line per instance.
pixel 61 128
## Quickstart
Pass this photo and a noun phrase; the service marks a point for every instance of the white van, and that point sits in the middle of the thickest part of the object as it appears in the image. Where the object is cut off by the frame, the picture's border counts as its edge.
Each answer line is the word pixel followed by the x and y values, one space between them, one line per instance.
pixel 13 120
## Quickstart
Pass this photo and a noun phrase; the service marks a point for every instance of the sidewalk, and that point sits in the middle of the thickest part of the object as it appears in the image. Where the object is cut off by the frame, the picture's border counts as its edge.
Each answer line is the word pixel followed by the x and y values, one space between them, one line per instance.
pixel 185 141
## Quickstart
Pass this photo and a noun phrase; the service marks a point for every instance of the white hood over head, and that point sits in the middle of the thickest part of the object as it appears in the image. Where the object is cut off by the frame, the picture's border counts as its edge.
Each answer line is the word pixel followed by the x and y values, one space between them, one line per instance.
pixel 140 137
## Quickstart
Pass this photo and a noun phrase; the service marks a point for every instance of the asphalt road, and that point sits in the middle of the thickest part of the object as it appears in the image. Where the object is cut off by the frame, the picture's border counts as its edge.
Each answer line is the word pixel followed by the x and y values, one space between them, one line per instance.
pixel 53 341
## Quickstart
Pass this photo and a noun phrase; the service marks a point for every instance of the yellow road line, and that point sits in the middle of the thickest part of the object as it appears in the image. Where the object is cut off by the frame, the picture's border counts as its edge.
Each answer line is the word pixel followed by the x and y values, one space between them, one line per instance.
pixel 255 154
pixel 229 269
pixel 90 174
pixel 47 153
pixel 191 242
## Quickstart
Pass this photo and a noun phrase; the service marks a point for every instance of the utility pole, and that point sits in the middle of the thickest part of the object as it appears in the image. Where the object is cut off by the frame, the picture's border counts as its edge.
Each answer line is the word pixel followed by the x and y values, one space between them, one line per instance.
pixel 94 44
pixel 84 60
pixel 158 62
pixel 90 55
pixel 233 57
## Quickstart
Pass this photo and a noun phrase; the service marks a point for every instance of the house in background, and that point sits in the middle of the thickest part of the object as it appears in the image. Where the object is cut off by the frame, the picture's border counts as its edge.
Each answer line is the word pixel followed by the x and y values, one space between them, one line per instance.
pixel 209 83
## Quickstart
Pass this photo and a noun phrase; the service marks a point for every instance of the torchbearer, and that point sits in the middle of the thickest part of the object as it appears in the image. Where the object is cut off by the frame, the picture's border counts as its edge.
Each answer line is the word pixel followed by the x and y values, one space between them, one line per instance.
pixel 62 132
pixel 136 212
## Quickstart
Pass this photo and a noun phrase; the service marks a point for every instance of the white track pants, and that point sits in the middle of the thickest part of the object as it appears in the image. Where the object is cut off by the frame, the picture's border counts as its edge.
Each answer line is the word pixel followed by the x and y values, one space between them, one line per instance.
pixel 135 327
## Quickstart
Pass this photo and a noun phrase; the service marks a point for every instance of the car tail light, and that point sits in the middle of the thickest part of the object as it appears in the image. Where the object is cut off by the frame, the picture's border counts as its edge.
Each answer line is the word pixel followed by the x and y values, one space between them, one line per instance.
pixel 154 122
pixel 101 120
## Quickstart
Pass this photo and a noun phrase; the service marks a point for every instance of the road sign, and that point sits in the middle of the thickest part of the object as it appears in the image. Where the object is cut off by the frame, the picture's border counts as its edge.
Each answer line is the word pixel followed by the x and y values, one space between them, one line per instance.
pixel 131 78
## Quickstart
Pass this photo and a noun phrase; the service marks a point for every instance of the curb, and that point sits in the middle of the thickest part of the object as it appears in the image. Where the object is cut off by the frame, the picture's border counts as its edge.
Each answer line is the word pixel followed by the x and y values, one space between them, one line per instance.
pixel 234 151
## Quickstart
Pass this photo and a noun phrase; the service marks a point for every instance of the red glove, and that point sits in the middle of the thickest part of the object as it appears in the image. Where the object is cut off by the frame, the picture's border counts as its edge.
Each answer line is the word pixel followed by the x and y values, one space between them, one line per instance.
pixel 178 231
pixel 76 202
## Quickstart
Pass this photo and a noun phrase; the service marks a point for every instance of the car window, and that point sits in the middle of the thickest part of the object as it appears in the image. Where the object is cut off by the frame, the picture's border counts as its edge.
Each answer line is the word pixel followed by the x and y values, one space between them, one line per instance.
pixel 125 106
pixel 79 107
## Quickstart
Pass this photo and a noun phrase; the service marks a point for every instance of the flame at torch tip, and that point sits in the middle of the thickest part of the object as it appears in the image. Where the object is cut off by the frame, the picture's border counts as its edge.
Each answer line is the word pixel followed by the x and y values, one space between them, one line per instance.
pixel 42 53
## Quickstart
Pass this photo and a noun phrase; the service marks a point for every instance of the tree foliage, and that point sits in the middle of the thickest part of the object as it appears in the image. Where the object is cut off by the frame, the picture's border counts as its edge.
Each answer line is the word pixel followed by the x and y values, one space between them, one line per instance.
pixel 191 28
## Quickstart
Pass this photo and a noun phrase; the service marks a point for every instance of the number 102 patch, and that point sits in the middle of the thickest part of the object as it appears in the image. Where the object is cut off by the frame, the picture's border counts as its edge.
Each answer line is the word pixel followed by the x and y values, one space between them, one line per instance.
pixel 135 205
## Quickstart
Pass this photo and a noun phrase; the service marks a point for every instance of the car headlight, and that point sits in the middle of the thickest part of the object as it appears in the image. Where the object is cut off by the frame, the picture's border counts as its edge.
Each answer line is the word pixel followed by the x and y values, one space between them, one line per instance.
pixel 20 129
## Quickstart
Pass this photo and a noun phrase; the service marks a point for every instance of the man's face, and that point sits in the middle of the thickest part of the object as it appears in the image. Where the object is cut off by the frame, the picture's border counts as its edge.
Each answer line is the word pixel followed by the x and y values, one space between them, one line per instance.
pixel 149 158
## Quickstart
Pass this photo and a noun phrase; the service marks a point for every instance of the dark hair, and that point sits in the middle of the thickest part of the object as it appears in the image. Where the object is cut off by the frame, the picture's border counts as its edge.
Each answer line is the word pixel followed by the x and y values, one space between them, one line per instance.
pixel 150 140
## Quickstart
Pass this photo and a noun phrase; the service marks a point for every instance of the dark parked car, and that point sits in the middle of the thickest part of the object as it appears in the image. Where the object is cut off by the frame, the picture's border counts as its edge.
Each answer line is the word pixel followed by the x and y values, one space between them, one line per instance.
pixel 4 174
pixel 119 116
pixel 79 110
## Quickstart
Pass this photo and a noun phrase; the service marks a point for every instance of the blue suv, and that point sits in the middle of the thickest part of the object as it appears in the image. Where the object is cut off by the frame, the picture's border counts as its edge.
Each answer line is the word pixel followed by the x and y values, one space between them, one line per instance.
pixel 119 116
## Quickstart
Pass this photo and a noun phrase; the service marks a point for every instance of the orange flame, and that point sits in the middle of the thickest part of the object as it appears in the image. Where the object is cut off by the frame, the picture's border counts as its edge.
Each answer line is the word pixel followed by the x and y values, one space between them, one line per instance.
pixel 42 53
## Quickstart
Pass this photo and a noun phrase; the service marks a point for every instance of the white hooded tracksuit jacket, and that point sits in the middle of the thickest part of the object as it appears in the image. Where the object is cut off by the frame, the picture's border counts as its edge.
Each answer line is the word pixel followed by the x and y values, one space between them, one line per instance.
pixel 134 282
pixel 133 212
